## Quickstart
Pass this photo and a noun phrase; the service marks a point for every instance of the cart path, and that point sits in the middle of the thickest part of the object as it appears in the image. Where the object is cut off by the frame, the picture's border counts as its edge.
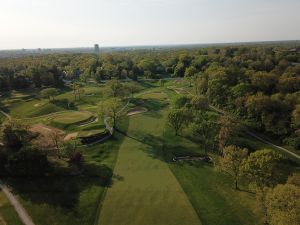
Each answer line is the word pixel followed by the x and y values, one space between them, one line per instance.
pixel 25 218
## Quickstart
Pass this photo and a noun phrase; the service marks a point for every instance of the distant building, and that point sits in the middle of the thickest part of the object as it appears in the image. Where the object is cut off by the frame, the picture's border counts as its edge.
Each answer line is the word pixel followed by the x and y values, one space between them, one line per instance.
pixel 96 49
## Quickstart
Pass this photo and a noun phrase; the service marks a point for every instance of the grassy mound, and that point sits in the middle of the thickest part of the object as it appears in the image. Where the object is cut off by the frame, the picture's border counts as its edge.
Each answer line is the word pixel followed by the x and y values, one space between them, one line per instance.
pixel 66 119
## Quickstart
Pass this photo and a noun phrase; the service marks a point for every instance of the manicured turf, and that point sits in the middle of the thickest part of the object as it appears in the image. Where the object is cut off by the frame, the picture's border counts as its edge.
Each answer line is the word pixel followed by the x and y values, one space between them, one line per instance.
pixel 72 117
pixel 8 214
pixel 144 191
pixel 90 133
pixel 211 193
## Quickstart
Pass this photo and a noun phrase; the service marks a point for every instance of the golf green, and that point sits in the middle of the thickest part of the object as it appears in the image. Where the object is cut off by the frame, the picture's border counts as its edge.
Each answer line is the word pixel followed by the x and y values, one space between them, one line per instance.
pixel 144 190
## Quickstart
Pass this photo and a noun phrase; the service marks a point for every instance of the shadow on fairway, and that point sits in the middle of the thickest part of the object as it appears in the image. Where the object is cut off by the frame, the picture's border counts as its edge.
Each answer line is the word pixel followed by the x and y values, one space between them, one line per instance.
pixel 155 143
pixel 60 191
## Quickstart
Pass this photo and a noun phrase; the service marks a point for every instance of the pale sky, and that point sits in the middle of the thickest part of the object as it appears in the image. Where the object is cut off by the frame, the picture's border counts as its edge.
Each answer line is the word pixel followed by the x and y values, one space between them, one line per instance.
pixel 82 23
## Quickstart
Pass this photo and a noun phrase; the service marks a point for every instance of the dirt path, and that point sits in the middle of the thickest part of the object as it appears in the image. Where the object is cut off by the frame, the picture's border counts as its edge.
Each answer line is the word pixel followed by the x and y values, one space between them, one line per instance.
pixel 25 218
pixel 5 114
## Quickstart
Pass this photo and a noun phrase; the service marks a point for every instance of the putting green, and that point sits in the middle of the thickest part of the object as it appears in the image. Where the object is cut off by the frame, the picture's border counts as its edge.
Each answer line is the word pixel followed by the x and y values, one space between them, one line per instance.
pixel 72 117
pixel 144 190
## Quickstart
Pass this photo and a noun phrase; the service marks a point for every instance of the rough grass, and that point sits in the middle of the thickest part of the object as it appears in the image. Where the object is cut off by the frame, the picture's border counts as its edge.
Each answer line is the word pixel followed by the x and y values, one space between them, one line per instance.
pixel 144 191
pixel 68 200
pixel 211 193
pixel 8 215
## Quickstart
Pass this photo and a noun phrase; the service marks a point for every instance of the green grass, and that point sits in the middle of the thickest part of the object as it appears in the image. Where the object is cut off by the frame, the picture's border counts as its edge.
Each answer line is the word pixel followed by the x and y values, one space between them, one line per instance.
pixel 68 200
pixel 69 118
pixel 144 190
pixel 8 215
pixel 90 133
pixel 211 193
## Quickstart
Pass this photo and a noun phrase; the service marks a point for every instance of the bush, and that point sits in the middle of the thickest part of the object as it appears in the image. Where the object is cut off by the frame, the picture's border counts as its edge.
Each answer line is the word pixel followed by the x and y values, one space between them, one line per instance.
pixel 27 163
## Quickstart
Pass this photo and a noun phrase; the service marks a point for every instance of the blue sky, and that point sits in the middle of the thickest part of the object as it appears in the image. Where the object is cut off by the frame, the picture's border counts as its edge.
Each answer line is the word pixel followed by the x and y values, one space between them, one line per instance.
pixel 79 23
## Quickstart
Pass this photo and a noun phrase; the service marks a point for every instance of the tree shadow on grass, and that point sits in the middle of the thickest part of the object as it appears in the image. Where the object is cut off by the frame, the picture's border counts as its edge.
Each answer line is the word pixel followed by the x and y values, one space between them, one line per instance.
pixel 60 191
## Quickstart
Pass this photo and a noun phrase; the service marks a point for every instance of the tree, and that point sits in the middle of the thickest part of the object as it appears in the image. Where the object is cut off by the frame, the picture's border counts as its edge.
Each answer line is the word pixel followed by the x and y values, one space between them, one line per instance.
pixel 283 205
pixel 132 88
pixel 114 88
pixel 181 101
pixel 264 81
pixel 296 117
pixel 200 85
pixel 229 129
pixel 49 92
pixel 57 140
pixel 178 118
pixel 231 162
pixel 15 135
pixel 294 179
pixel 199 102
pixel 189 74
pixel 77 90
pixel 74 156
pixel 260 169
pixel 111 108
pixel 204 130
pixel 179 70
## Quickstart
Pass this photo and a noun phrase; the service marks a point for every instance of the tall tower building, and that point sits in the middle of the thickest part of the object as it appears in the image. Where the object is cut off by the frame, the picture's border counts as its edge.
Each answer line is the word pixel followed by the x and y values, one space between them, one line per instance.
pixel 96 49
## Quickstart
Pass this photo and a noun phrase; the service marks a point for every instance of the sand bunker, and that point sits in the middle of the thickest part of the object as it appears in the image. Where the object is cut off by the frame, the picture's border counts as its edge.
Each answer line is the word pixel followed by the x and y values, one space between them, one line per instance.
pixel 136 110
pixel 71 136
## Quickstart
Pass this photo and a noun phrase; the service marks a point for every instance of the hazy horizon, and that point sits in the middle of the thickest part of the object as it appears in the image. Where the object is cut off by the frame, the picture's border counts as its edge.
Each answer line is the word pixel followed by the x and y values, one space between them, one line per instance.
pixel 69 24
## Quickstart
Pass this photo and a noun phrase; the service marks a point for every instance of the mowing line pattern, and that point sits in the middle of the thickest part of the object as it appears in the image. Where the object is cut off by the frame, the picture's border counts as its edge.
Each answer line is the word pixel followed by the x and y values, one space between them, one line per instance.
pixel 144 190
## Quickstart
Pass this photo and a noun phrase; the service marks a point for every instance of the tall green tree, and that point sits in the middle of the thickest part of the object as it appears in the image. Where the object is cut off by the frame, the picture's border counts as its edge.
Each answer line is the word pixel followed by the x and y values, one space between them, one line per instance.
pixel 231 162
pixel 283 205
pixel 190 73
pixel 111 108
pixel 49 93
pixel 260 168
pixel 178 118
pixel 204 130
